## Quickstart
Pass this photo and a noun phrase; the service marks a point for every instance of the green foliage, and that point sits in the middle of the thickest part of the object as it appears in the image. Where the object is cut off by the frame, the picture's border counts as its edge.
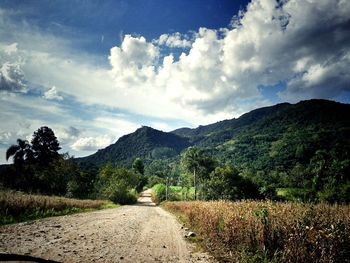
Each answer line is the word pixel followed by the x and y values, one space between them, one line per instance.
pixel 295 194
pixel 138 166
pixel 159 192
pixel 158 168
pixel 196 161
pixel 118 184
pixel 83 184
pixel 45 146
pixel 145 143
pixel 21 153
pixel 227 183
pixel 298 152
pixel 163 153
pixel 153 180
pixel 178 193
pixel 139 169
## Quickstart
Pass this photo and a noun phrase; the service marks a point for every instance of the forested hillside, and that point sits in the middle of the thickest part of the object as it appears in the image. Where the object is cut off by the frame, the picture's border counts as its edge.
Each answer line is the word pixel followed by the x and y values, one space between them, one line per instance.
pixel 279 136
pixel 269 138
pixel 294 151
pixel 145 143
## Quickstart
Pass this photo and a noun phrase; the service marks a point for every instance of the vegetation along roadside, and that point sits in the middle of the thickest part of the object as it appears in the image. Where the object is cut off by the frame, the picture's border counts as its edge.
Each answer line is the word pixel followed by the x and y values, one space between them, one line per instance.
pixel 265 231
pixel 17 207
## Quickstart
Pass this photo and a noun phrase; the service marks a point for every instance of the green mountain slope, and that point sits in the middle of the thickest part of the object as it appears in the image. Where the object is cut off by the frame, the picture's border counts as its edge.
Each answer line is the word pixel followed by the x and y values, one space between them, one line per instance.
pixel 275 138
pixel 146 143
pixel 278 137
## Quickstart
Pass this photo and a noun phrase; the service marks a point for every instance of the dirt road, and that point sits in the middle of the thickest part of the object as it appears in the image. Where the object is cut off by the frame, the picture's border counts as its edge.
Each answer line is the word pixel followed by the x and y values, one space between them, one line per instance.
pixel 137 233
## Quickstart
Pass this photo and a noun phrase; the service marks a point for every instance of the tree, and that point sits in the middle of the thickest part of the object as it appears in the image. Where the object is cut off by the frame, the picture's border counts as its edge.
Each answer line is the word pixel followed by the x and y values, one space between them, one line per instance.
pixel 118 184
pixel 139 169
pixel 45 146
pixel 227 183
pixel 197 162
pixel 190 160
pixel 138 166
pixel 20 152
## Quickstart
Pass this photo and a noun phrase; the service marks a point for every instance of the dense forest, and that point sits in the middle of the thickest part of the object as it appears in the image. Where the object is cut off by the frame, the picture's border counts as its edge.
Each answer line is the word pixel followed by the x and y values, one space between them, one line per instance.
pixel 298 152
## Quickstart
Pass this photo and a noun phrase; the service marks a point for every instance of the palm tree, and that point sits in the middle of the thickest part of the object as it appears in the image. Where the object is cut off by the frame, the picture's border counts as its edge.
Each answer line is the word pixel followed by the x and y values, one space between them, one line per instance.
pixel 20 152
pixel 190 160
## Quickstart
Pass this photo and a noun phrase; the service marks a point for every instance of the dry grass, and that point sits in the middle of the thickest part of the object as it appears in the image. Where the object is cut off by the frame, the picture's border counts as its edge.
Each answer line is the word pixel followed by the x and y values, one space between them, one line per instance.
pixel 251 231
pixel 17 206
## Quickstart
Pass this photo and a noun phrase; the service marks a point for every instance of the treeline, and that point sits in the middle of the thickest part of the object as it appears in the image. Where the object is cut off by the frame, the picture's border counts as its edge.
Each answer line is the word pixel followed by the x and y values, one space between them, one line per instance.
pixel 39 168
pixel 325 178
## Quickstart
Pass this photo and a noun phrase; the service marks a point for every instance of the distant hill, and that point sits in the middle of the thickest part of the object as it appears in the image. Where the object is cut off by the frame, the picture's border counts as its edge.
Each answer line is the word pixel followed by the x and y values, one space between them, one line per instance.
pixel 270 138
pixel 304 113
pixel 146 143
pixel 199 135
pixel 278 137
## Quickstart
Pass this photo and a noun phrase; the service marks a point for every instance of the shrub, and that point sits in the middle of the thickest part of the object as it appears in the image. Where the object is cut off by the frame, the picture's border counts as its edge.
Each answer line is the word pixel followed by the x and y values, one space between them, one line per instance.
pixel 159 192
pixel 118 184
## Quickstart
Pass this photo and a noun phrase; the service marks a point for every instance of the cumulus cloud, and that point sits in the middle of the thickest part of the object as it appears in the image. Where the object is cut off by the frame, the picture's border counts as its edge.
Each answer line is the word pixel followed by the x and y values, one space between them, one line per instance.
pixel 92 143
pixel 67 135
pixel 11 73
pixel 305 44
pixel 175 40
pixel 4 137
pixel 52 94
pixel 12 48
pixel 132 63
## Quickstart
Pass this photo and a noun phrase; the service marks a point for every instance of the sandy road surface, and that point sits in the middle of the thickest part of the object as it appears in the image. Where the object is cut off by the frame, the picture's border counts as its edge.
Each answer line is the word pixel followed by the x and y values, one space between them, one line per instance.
pixel 137 233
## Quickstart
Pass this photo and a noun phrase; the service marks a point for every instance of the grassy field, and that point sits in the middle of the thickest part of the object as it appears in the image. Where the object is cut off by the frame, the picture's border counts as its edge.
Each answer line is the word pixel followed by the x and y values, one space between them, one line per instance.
pixel 17 206
pixel 176 193
pixel 251 231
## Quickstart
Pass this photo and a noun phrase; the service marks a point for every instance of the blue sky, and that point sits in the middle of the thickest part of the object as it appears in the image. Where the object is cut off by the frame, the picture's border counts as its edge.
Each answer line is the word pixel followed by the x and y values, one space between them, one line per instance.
pixel 96 70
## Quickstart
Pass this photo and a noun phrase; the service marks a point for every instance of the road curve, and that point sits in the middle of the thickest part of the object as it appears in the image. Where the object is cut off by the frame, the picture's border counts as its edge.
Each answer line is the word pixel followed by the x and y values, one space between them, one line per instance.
pixel 134 233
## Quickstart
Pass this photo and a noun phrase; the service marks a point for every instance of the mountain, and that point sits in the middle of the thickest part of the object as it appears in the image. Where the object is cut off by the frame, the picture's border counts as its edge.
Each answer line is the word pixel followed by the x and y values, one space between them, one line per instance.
pixel 278 137
pixel 277 118
pixel 145 142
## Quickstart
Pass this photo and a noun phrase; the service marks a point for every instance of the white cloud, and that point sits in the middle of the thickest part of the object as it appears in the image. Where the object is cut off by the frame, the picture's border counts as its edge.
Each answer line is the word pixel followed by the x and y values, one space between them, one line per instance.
pixel 52 94
pixel 132 63
pixel 92 143
pixel 305 43
pixel 11 73
pixel 10 49
pixel 162 126
pixel 67 135
pixel 268 43
pixel 175 40
pixel 115 124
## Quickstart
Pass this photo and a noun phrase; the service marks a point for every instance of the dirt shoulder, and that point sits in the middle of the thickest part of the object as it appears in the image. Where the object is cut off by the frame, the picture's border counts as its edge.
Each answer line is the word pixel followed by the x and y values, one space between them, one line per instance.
pixel 137 233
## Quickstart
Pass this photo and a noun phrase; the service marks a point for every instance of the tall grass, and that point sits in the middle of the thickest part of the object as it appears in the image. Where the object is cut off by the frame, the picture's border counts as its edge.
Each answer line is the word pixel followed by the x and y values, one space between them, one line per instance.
pixel 251 231
pixel 17 206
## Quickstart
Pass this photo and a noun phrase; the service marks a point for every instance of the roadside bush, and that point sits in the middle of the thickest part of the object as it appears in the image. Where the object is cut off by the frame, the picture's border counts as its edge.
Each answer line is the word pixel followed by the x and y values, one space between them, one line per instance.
pixel 159 192
pixel 118 184
pixel 153 180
